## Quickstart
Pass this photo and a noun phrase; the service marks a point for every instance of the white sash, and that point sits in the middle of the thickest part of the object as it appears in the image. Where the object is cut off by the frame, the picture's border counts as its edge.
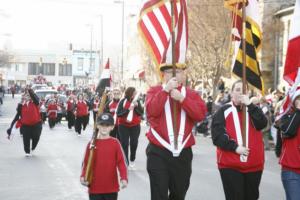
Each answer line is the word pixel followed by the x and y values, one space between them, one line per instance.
pixel 170 146
pixel 238 129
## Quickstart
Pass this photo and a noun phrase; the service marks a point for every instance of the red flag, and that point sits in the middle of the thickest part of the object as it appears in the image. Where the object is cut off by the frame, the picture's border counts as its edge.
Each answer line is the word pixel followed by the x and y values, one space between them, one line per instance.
pixel 105 79
pixel 292 62
pixel 155 27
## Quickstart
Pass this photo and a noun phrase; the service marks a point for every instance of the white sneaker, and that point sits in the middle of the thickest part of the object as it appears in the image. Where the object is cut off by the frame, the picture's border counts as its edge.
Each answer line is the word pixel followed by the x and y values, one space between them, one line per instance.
pixel 132 166
pixel 27 155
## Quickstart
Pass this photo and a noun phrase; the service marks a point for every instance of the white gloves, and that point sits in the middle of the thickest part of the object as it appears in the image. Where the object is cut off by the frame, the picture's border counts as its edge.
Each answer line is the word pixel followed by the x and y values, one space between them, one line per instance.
pixel 242 150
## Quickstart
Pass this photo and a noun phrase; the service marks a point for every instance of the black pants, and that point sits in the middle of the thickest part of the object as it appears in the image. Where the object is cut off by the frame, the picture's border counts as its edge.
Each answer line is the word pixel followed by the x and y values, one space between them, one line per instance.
pixel 43 116
pixel 115 132
pixel 110 196
pixel 169 176
pixel 86 121
pixel 81 123
pixel 129 136
pixel 51 122
pixel 240 186
pixel 71 119
pixel 31 133
pixel 59 117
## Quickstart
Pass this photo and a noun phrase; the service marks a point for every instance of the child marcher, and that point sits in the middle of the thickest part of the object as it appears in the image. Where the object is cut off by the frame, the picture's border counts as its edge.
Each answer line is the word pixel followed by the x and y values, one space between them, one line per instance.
pixel 108 157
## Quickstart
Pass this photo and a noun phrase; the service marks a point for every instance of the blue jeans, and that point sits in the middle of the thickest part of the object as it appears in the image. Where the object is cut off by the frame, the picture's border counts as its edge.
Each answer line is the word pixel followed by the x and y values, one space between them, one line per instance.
pixel 291 184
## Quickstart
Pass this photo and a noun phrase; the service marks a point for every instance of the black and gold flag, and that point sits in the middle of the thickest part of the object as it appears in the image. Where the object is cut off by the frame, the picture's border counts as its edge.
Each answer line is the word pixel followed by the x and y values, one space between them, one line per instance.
pixel 253 39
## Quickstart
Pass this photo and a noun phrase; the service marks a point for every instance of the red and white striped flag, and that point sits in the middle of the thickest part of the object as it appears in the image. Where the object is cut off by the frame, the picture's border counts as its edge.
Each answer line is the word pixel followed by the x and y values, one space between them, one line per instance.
pixel 155 27
pixel 292 62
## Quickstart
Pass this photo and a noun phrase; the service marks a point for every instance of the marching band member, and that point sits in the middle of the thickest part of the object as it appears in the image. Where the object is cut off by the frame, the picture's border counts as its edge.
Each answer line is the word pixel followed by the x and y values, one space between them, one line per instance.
pixel 70 111
pixel 52 113
pixel 240 166
pixel 81 113
pixel 31 124
pixel 170 166
pixel 129 131
pixel 111 108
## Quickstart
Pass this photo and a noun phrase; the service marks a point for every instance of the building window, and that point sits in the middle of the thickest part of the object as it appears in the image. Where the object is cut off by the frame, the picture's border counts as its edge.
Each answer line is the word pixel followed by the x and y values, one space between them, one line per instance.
pixel 65 70
pixel 33 68
pixel 92 64
pixel 18 67
pixel 47 69
pixel 80 64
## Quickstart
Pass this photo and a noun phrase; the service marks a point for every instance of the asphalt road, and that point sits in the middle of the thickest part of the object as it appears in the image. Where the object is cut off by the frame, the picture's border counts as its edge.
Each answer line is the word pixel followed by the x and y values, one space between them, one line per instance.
pixel 53 172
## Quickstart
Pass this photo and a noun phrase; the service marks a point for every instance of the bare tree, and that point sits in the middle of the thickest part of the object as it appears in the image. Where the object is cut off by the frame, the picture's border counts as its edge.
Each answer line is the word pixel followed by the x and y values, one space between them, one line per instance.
pixel 209 34
pixel 4 58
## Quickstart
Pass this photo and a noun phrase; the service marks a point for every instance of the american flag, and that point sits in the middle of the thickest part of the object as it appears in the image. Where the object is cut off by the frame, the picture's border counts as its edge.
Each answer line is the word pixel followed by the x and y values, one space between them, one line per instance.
pixel 155 27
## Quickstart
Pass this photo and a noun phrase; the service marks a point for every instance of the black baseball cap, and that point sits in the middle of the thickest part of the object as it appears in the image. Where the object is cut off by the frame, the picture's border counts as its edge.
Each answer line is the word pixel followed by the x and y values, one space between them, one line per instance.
pixel 105 119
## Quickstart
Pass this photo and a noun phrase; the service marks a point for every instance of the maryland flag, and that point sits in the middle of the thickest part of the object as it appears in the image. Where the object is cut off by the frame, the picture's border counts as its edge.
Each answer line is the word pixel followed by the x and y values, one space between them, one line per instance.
pixel 155 27
pixel 253 38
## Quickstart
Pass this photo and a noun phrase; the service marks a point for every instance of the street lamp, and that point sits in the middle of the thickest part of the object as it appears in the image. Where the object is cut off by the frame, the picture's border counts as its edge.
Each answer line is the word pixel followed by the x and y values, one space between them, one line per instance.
pixel 101 20
pixel 122 59
pixel 91 49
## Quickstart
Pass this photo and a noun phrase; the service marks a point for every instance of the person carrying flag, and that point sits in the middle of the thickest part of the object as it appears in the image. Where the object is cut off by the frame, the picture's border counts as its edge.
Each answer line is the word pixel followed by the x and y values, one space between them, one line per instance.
pixel 240 166
pixel 289 140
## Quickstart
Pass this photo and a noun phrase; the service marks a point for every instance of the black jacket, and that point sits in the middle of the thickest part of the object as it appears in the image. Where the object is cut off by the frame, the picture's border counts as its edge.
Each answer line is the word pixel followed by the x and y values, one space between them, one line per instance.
pixel 218 127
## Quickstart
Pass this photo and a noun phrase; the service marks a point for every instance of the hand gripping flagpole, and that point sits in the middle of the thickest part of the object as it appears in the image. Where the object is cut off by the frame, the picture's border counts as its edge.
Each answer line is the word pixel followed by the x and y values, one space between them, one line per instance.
pixel 174 74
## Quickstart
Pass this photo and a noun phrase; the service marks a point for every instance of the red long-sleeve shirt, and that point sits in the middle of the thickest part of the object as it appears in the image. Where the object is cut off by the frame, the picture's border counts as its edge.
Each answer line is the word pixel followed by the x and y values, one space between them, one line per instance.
pixel 108 157
pixel 52 111
pixel 192 104
pixel 82 109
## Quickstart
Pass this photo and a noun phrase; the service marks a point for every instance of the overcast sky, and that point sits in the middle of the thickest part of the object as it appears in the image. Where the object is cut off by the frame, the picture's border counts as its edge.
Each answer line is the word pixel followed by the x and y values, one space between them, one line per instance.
pixel 44 24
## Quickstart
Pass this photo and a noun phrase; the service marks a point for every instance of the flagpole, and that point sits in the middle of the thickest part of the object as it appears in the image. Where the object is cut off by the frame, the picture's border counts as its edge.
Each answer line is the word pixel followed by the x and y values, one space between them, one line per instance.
pixel 174 75
pixel 244 71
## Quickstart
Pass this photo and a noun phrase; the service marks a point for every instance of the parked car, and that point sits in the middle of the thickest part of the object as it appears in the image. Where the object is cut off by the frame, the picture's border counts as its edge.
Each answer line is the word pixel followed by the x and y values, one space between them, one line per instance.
pixel 45 92
pixel 35 87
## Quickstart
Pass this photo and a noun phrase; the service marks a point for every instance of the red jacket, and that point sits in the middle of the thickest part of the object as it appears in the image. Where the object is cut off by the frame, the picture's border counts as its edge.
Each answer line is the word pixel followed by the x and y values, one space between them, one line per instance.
pixel 230 159
pixel 70 105
pixel 96 105
pixel 30 114
pixel 112 108
pixel 290 153
pixel 52 111
pixel 192 104
pixel 82 109
pixel 108 157
pixel 123 111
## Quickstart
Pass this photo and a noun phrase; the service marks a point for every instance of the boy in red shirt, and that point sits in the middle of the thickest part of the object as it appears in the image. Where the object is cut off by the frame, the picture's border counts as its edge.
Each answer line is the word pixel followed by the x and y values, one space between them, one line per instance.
pixel 108 157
